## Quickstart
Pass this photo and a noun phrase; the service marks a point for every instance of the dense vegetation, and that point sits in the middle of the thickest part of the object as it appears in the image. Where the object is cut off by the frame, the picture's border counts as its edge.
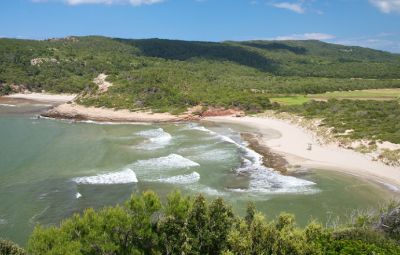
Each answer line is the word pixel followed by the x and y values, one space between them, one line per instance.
pixel 184 225
pixel 370 119
pixel 168 75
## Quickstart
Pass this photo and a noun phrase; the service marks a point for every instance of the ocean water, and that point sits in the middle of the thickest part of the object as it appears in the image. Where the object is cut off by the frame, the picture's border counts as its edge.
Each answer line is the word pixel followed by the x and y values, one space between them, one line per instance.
pixel 50 169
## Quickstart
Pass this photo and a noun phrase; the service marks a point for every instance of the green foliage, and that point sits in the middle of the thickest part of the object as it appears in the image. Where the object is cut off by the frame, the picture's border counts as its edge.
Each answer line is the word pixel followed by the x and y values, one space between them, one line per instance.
pixel 370 119
pixel 167 75
pixel 9 248
pixel 195 226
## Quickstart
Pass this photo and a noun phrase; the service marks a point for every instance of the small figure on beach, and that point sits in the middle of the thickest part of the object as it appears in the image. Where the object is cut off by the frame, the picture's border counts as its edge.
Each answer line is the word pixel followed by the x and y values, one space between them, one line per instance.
pixel 309 147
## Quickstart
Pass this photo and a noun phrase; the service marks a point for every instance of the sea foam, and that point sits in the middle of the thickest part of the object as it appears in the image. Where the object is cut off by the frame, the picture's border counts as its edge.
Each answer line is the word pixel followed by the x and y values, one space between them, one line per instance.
pixel 263 179
pixel 167 162
pixel 157 138
pixel 182 179
pixel 8 105
pixel 121 177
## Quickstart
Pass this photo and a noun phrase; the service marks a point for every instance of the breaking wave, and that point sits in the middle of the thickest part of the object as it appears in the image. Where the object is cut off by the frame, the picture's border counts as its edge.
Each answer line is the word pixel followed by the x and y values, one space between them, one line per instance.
pixel 121 177
pixel 263 179
pixel 157 139
pixel 182 179
pixel 167 162
pixel 8 105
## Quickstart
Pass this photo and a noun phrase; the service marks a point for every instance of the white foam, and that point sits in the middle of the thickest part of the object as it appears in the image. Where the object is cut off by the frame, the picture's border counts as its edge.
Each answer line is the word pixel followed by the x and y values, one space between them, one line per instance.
pixel 390 186
pixel 121 177
pixel 214 155
pixel 209 191
pixel 3 221
pixel 8 105
pixel 157 138
pixel 78 195
pixel 263 179
pixel 182 179
pixel 167 162
pixel 112 123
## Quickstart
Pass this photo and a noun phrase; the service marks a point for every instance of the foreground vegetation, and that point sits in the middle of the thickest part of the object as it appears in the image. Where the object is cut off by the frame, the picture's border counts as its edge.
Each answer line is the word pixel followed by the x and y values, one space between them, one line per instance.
pixel 184 225
pixel 167 75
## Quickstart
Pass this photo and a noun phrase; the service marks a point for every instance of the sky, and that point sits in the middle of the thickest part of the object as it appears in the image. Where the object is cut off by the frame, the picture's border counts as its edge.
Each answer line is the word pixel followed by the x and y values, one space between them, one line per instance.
pixel 367 23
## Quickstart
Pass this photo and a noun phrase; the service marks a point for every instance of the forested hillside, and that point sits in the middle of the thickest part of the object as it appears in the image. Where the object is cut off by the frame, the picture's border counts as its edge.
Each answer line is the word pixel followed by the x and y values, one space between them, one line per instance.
pixel 168 75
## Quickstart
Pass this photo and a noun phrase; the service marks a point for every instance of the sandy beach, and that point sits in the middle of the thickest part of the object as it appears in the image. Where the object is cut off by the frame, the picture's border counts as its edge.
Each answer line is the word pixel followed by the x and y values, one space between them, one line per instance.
pixel 79 112
pixel 44 97
pixel 293 143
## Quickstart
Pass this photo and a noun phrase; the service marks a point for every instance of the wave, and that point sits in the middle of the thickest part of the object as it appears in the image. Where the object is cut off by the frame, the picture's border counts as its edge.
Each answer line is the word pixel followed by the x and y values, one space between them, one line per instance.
pixel 3 221
pixel 213 155
pixel 121 177
pixel 182 179
pixel 8 105
pixel 167 162
pixel 78 195
pixel 157 138
pixel 112 123
pixel 263 179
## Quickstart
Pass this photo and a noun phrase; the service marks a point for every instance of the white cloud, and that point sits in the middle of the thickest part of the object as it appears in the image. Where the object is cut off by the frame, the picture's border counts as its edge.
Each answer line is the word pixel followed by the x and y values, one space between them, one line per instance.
pixel 306 36
pixel 387 6
pixel 296 7
pixel 384 41
pixel 109 2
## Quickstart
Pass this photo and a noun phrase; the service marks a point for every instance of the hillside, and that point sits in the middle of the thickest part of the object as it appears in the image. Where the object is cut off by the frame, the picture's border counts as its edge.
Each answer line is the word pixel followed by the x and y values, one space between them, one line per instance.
pixel 168 75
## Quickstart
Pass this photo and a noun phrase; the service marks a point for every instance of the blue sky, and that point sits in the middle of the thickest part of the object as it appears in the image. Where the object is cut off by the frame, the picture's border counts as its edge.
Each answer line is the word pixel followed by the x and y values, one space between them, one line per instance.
pixel 369 23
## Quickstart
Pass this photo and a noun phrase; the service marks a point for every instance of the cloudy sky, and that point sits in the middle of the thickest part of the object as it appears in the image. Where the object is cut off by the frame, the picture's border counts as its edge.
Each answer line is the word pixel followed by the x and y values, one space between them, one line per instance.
pixel 368 23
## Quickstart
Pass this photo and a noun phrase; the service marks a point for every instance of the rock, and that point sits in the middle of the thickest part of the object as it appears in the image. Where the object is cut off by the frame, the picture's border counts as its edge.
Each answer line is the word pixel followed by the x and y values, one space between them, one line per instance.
pixel 390 222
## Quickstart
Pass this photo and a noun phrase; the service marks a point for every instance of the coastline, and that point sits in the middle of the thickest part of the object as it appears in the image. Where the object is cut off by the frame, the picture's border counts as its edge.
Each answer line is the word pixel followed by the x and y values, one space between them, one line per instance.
pixel 294 140
pixel 43 97
pixel 79 112
pixel 286 153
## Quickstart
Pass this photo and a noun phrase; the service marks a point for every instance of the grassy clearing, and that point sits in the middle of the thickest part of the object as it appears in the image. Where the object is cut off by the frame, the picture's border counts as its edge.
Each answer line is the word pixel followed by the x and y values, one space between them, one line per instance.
pixel 371 94
pixel 290 100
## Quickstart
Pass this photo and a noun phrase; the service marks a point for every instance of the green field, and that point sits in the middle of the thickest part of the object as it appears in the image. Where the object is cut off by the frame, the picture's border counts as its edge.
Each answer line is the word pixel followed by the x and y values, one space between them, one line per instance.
pixel 370 94
pixel 290 100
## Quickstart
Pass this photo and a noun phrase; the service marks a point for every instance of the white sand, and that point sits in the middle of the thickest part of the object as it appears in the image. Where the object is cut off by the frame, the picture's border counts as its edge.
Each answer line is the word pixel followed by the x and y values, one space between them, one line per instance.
pixel 101 82
pixel 43 97
pixel 293 144
pixel 74 111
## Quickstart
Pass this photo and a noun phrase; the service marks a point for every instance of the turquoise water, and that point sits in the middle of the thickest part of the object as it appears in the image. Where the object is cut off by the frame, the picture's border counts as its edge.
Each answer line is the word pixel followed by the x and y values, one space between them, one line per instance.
pixel 50 169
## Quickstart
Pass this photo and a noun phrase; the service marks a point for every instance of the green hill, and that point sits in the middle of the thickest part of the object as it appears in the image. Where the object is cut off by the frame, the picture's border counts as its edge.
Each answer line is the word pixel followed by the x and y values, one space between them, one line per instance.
pixel 171 75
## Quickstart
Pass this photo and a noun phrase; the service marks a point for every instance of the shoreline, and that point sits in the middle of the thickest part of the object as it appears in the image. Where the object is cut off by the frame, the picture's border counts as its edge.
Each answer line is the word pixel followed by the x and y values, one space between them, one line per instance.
pixel 292 146
pixel 43 97
pixel 80 112
pixel 286 153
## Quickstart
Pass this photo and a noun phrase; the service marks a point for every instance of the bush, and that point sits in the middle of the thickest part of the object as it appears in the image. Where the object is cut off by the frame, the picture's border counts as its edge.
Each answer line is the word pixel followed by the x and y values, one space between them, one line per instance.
pixel 185 225
pixel 10 248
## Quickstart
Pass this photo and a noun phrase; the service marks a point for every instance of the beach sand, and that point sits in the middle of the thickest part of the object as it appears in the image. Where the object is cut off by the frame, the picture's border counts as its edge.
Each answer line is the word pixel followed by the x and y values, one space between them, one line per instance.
pixel 79 112
pixel 43 97
pixel 293 144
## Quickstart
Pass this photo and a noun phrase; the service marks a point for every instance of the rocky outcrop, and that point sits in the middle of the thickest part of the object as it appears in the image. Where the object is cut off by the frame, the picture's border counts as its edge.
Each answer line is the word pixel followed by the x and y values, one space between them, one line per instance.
pixel 212 112
pixel 390 222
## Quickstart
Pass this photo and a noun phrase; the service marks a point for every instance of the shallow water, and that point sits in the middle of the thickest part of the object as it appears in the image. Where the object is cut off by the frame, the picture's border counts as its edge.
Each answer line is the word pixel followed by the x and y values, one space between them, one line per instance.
pixel 50 169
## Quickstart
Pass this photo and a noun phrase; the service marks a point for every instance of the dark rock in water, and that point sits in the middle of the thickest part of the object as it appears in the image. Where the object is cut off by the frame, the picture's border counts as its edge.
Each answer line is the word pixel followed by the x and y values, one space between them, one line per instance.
pixel 390 222
pixel 270 159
